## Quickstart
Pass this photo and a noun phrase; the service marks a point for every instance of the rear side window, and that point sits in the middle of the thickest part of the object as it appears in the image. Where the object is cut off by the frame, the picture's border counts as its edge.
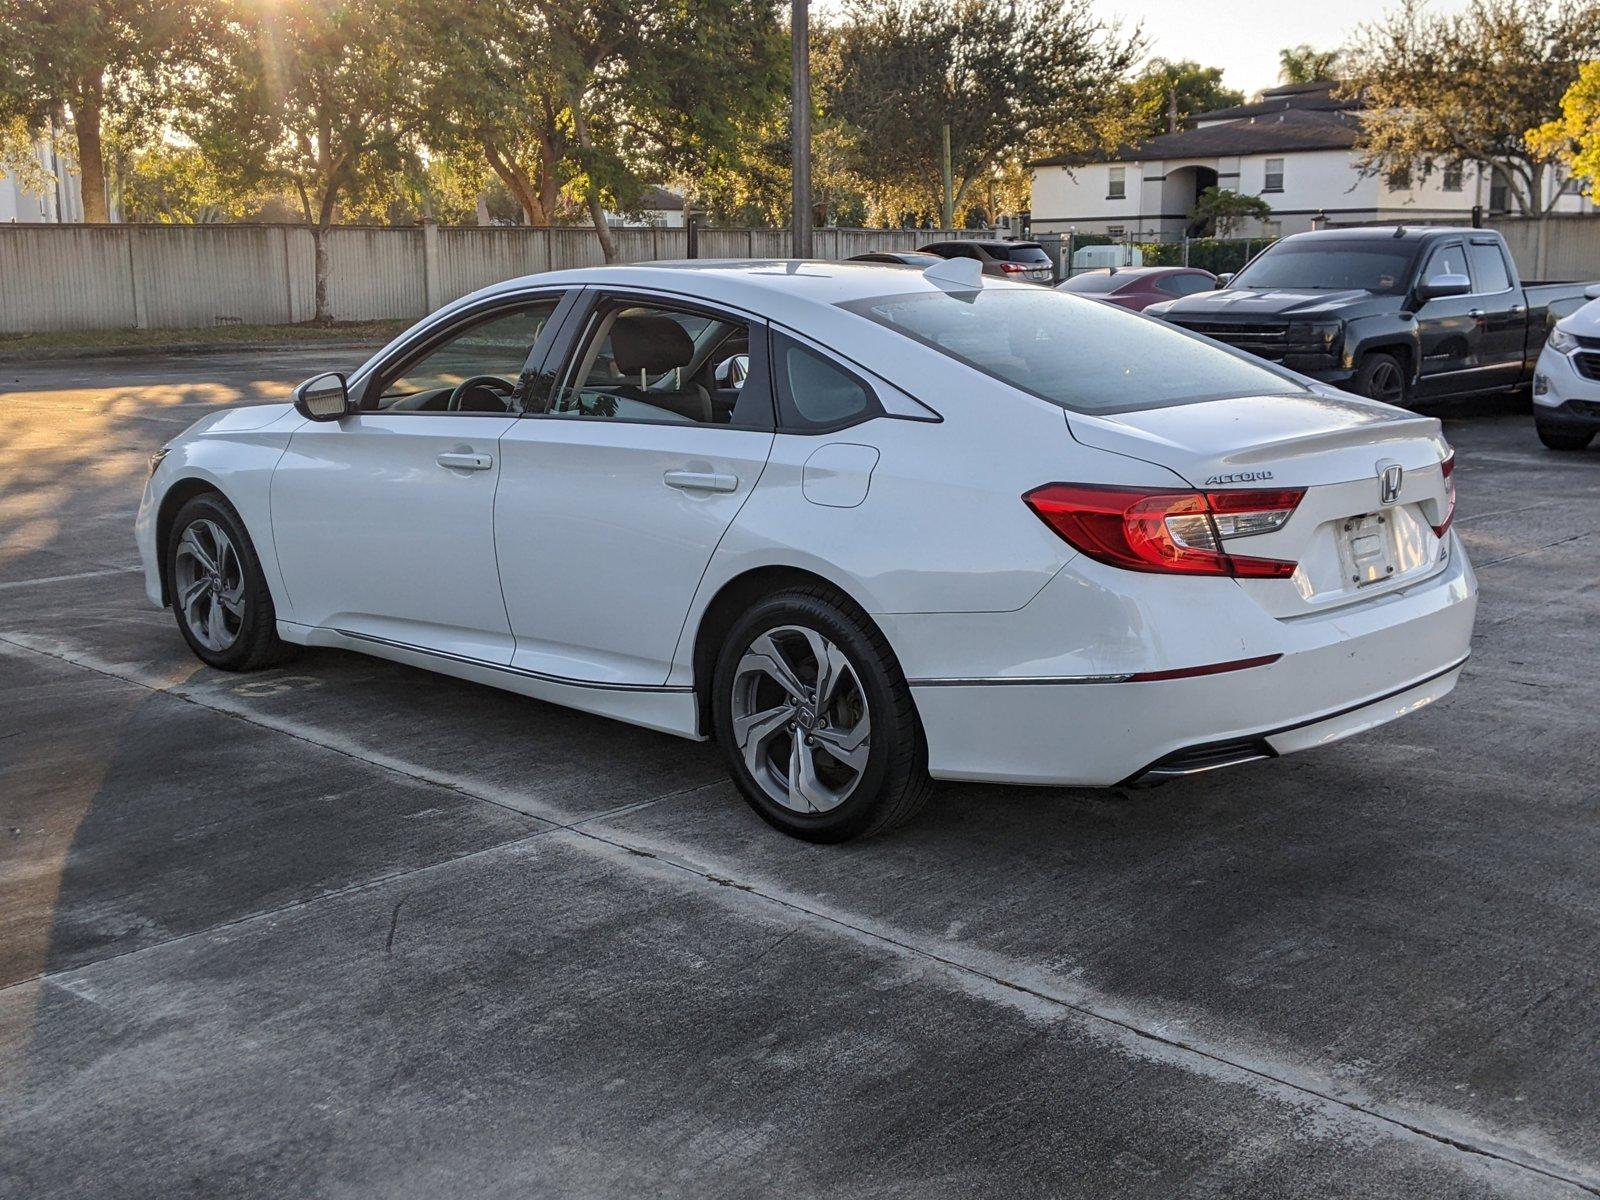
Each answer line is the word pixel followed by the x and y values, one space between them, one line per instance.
pixel 1489 272
pixel 815 393
pixel 1083 355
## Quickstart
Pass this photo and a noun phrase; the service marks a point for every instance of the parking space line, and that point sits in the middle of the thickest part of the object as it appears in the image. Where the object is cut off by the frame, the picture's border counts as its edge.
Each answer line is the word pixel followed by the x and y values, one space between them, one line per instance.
pixel 991 976
pixel 43 579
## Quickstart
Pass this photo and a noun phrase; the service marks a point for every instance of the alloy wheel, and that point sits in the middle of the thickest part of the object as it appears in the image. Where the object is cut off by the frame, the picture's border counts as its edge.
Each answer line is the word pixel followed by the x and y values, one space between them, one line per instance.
pixel 208 581
pixel 800 719
pixel 1387 383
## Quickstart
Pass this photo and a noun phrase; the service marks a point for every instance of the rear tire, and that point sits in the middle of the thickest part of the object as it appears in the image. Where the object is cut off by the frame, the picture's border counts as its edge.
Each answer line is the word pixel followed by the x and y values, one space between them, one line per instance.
pixel 815 719
pixel 219 593
pixel 1382 377
pixel 1557 439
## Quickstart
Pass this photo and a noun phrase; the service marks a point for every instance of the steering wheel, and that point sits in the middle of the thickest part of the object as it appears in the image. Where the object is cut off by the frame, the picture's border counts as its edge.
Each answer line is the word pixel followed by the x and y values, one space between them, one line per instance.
pixel 493 382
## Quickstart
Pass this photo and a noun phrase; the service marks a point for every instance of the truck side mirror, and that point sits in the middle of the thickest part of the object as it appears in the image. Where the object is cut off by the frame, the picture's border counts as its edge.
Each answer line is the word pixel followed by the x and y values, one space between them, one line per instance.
pixel 1441 286
pixel 322 397
pixel 1224 280
pixel 1592 292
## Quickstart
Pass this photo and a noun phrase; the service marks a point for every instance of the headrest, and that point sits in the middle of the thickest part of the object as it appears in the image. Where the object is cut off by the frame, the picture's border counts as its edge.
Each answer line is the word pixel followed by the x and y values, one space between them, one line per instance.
pixel 651 344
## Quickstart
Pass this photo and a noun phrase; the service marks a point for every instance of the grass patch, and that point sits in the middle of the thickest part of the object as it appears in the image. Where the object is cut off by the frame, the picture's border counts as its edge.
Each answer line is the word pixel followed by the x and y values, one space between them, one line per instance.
pixel 213 335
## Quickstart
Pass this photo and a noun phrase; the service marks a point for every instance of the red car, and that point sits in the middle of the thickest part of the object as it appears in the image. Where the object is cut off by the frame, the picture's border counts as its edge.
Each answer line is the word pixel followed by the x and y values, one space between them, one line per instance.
pixel 1139 287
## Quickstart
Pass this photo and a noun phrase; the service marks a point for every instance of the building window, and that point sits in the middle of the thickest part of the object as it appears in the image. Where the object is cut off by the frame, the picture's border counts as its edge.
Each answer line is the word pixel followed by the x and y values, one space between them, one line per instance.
pixel 1274 181
pixel 1116 231
pixel 1452 177
pixel 1272 229
pixel 1499 194
pixel 1572 187
pixel 1119 184
pixel 1399 179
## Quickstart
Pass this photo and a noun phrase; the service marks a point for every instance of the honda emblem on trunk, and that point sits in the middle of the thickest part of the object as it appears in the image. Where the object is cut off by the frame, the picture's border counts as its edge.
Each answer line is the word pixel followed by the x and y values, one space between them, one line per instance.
pixel 1390 476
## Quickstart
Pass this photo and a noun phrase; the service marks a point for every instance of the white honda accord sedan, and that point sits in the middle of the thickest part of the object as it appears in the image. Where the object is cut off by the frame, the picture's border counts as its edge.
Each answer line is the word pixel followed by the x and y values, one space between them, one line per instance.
pixel 864 525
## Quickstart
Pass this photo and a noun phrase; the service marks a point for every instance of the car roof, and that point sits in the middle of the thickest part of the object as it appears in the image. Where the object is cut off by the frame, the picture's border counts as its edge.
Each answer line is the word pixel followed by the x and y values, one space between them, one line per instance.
pixel 1143 272
pixel 1395 233
pixel 776 288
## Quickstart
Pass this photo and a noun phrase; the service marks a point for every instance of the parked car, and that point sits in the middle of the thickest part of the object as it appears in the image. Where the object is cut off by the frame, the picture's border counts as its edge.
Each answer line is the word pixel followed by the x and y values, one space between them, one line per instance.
pixel 1137 288
pixel 899 258
pixel 862 526
pixel 1113 254
pixel 1395 314
pixel 1566 384
pixel 1008 260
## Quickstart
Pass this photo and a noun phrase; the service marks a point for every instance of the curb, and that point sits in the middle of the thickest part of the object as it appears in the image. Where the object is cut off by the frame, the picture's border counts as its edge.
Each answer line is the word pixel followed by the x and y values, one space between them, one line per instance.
pixel 177 349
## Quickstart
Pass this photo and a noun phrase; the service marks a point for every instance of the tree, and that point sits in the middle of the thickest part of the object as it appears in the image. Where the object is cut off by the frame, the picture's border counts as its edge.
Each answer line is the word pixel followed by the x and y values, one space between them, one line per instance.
pixel 1219 212
pixel 1306 64
pixel 312 96
pixel 106 63
pixel 1470 86
pixel 1573 138
pixel 1007 76
pixel 597 99
pixel 1165 94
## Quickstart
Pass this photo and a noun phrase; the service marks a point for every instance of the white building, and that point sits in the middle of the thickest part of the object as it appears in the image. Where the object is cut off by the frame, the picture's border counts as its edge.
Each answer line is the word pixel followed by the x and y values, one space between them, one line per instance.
pixel 1295 148
pixel 59 201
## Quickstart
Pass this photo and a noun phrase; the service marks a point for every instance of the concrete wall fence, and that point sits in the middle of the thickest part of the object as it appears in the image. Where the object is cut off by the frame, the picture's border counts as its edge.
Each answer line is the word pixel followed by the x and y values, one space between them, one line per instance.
pixel 59 277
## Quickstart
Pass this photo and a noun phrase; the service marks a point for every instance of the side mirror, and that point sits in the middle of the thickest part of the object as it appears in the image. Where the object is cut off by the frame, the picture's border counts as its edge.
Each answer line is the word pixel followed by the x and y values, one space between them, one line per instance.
pixel 1441 286
pixel 322 397
pixel 732 372
pixel 1592 292
pixel 1224 280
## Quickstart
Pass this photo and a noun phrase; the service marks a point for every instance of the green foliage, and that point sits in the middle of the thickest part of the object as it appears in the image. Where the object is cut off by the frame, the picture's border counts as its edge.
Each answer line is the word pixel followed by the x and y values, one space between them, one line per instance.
pixel 1458 87
pixel 1220 212
pixel 1151 94
pixel 1008 78
pixel 18 159
pixel 108 65
pixel 1211 254
pixel 1306 64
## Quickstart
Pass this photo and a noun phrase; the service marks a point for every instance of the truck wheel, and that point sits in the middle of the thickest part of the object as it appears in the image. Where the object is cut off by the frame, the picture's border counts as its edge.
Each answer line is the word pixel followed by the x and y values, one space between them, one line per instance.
pixel 1557 439
pixel 1381 377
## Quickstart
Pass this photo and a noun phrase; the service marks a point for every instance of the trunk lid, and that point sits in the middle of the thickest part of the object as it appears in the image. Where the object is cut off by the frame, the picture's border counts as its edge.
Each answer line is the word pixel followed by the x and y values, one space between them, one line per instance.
pixel 1350 537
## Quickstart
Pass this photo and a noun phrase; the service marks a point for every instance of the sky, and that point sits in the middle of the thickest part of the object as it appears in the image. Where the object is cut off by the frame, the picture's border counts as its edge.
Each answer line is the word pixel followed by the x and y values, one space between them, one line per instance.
pixel 1244 36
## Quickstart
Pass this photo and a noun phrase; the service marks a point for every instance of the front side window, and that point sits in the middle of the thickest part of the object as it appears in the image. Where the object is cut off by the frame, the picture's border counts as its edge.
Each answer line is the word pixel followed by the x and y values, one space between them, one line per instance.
pixel 816 393
pixel 1085 356
pixel 655 363
pixel 1185 285
pixel 1119 184
pixel 1445 260
pixel 475 369
pixel 1274 175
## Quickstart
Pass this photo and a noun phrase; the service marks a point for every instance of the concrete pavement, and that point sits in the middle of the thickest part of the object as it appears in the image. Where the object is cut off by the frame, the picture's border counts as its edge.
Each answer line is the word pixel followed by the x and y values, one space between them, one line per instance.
pixel 343 928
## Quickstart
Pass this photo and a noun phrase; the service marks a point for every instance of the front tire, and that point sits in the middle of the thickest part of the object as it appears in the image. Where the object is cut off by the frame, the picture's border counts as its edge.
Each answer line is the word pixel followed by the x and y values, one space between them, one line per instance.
pixel 1557 439
pixel 1382 377
pixel 219 593
pixel 816 721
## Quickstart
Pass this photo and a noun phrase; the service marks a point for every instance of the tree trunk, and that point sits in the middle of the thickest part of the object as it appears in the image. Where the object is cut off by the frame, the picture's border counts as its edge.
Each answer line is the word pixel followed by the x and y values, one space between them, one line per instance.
pixel 91 157
pixel 597 212
pixel 517 183
pixel 319 243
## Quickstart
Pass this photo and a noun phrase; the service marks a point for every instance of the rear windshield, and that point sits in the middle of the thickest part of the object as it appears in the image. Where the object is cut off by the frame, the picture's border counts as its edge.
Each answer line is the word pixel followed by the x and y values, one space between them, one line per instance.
pixel 1085 356
pixel 1093 281
pixel 1382 267
pixel 1020 252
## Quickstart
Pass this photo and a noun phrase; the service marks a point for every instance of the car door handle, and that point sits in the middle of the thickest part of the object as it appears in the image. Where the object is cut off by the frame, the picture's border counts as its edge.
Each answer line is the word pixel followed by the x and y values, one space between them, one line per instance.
pixel 460 461
pixel 701 481
pixel 1517 310
pixel 1476 314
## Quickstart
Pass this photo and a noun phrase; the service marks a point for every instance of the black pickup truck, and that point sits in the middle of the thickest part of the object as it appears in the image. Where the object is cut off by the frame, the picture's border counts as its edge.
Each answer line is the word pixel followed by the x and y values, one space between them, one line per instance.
pixel 1398 314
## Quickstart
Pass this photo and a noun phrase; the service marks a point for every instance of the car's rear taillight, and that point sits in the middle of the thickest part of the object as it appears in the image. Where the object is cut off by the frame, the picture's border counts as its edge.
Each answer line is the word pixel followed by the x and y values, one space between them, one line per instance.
pixel 1173 531
pixel 1448 466
pixel 1011 268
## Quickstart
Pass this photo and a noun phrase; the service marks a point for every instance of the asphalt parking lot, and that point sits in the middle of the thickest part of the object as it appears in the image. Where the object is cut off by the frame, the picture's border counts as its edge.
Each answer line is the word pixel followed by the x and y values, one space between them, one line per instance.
pixel 344 928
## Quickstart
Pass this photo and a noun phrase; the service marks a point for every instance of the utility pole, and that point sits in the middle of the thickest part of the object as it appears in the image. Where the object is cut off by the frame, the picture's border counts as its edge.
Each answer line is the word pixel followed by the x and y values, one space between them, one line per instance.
pixel 949 185
pixel 800 122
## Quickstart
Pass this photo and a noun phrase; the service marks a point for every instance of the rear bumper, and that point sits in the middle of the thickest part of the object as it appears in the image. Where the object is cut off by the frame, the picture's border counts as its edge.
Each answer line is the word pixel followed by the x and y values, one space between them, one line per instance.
pixel 1339 674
